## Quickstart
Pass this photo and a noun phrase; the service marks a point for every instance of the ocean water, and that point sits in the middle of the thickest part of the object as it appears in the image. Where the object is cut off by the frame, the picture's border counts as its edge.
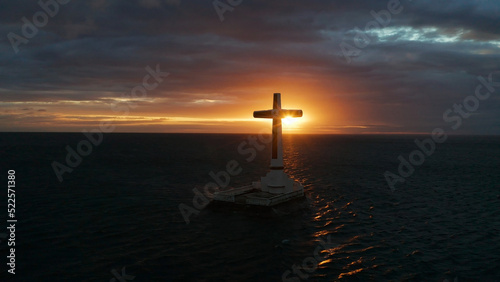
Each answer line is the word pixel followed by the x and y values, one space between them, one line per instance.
pixel 116 216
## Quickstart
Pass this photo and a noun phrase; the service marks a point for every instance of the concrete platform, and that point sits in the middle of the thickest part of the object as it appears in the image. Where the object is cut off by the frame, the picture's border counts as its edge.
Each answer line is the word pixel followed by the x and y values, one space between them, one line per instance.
pixel 253 195
pixel 261 204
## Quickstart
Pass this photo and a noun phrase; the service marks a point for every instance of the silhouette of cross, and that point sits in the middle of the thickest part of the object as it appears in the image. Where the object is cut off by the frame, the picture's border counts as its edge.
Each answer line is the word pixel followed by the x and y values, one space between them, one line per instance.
pixel 277 113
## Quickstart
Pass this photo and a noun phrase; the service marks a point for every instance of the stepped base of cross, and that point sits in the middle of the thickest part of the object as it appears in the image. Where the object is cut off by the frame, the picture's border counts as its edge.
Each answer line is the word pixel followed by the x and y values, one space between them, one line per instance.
pixel 260 193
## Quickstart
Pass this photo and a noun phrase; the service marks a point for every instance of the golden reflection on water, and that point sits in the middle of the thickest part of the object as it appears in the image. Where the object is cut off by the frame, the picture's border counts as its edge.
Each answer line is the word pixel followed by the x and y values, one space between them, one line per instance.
pixel 322 233
pixel 342 275
pixel 329 219
pixel 349 253
pixel 293 158
pixel 325 261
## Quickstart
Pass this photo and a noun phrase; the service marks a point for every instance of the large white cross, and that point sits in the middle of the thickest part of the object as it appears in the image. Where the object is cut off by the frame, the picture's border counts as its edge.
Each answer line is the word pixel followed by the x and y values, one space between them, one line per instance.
pixel 277 113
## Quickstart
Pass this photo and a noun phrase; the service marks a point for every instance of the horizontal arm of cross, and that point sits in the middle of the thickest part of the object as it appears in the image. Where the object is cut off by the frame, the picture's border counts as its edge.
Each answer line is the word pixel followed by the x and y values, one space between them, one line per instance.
pixel 282 113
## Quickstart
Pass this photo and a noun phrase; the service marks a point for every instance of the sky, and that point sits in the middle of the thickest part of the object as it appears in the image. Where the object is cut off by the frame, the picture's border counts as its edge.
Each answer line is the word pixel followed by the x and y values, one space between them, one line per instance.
pixel 353 67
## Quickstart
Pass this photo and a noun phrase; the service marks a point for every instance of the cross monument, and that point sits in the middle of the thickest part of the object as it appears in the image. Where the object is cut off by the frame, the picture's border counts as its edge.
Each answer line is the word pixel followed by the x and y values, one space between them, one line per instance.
pixel 276 181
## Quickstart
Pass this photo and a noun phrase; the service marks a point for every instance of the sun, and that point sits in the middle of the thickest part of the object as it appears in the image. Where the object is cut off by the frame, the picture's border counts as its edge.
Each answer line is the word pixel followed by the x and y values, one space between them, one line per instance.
pixel 289 120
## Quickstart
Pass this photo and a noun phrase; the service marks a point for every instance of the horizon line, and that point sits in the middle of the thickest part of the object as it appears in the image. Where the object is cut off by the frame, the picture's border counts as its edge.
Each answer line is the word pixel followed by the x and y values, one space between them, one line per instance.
pixel 253 133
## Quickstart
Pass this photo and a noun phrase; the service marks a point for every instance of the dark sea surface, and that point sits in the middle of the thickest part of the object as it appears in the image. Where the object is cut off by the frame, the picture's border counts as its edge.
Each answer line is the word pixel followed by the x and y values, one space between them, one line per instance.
pixel 119 210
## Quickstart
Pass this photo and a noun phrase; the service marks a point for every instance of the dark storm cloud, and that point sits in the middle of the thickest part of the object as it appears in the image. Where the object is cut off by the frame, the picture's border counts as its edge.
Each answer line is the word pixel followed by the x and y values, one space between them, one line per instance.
pixel 480 16
pixel 94 50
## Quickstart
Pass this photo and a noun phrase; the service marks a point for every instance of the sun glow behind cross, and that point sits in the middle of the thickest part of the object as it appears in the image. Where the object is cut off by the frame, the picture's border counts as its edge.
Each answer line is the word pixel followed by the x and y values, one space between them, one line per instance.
pixel 291 124
pixel 288 120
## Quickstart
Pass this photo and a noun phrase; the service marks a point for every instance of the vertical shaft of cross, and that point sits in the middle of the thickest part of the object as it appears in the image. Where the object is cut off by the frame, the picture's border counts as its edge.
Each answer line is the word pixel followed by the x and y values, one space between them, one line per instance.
pixel 277 145
pixel 276 180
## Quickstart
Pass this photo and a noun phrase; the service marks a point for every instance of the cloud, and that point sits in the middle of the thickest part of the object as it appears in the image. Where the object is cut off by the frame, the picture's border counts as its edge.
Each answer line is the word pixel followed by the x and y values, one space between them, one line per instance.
pixel 92 52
